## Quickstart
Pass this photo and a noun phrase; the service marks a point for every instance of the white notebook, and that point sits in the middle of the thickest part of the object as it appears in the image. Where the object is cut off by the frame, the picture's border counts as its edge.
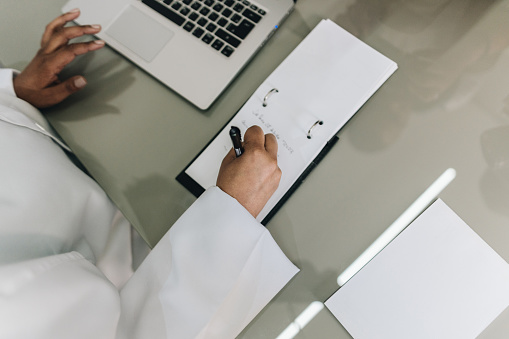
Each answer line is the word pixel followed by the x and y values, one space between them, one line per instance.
pixel 314 91
pixel 437 279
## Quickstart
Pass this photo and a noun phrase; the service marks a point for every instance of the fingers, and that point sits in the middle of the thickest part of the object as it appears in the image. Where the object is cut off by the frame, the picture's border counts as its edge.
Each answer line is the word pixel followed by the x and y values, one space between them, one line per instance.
pixel 61 37
pixel 256 138
pixel 231 156
pixel 58 23
pixel 39 82
pixel 271 145
pixel 56 35
pixel 84 47
pixel 63 57
pixel 55 94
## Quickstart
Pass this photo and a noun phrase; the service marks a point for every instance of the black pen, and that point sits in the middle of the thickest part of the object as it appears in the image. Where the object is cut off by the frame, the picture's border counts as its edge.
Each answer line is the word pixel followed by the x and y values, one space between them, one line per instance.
pixel 236 140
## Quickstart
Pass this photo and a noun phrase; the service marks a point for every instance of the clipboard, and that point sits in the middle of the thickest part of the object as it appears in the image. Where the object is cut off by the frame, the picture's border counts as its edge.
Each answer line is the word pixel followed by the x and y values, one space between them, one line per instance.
pixel 304 102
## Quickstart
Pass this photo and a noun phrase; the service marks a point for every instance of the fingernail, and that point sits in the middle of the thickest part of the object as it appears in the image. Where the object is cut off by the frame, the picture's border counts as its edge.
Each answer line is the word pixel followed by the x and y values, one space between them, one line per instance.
pixel 80 82
pixel 96 26
pixel 75 10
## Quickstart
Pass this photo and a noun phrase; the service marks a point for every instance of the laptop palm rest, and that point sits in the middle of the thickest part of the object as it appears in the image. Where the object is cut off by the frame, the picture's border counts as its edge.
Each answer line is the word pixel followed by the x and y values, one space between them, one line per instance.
pixel 140 33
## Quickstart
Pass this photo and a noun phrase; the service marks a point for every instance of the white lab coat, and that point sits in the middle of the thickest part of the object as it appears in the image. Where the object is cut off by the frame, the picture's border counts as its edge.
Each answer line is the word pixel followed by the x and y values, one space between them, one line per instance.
pixel 61 237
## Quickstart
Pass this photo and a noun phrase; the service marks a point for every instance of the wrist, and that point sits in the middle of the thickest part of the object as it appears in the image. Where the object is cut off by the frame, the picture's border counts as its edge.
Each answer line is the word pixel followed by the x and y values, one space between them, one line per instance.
pixel 240 203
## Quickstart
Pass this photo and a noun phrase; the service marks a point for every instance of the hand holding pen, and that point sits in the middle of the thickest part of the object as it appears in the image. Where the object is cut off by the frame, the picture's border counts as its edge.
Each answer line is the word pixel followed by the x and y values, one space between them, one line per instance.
pixel 249 172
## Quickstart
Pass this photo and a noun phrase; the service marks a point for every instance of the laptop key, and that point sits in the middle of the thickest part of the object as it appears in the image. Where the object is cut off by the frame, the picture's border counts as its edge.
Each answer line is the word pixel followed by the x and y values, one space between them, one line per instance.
pixel 202 22
pixel 189 26
pixel 222 22
pixel 198 32
pixel 227 12
pixel 220 33
pixel 242 30
pixel 165 11
pixel 209 2
pixel 217 44
pixel 168 2
pixel 238 8
pixel 207 38
pixel 236 18
pixel 187 2
pixel 227 51
pixel 211 27
pixel 218 7
pixel 229 3
pixel 251 15
pixel 204 11
pixel 213 16
pixel 176 6
pixel 193 16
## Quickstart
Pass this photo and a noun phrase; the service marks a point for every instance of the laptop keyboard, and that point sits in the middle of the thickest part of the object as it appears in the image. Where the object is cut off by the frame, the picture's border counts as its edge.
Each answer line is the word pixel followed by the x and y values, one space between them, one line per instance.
pixel 222 24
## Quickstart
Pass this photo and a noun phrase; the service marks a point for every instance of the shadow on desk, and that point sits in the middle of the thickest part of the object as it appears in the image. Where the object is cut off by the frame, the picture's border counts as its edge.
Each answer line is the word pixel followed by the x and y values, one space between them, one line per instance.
pixel 157 210
pixel 106 81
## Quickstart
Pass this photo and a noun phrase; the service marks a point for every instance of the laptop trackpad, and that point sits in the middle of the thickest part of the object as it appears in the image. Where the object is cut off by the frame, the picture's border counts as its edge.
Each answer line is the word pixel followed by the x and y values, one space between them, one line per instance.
pixel 140 33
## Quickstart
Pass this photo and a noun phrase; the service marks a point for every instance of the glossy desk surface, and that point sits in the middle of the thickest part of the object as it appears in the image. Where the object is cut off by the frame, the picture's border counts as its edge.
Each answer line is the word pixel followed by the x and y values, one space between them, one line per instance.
pixel 446 106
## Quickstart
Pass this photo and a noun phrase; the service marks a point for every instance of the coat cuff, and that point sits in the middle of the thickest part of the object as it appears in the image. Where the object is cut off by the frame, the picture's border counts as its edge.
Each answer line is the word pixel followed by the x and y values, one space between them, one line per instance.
pixel 208 276
pixel 6 81
pixel 237 268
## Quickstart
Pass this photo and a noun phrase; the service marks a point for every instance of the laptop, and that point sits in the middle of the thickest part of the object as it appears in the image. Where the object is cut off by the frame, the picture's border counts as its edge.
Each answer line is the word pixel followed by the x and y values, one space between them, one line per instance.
pixel 195 47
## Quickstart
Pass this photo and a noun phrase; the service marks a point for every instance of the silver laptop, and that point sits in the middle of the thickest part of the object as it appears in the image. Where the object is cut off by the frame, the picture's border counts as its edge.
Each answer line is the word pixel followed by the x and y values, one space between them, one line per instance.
pixel 195 47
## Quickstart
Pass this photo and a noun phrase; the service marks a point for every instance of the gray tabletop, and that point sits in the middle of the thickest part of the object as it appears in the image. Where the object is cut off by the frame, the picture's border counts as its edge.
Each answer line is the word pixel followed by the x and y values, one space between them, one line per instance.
pixel 447 106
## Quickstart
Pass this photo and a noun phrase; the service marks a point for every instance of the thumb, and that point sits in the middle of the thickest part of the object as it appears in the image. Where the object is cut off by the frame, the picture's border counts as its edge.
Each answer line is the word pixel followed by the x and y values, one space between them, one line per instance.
pixel 57 93
pixel 229 158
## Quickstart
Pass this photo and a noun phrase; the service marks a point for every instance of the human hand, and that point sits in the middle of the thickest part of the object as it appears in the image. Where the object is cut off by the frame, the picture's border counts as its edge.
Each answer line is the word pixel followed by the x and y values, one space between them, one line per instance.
pixel 38 83
pixel 253 177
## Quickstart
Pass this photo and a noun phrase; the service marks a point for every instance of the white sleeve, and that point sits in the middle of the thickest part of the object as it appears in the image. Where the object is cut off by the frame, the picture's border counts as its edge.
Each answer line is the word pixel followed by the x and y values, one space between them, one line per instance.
pixel 208 277
pixel 6 84
pixel 58 296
